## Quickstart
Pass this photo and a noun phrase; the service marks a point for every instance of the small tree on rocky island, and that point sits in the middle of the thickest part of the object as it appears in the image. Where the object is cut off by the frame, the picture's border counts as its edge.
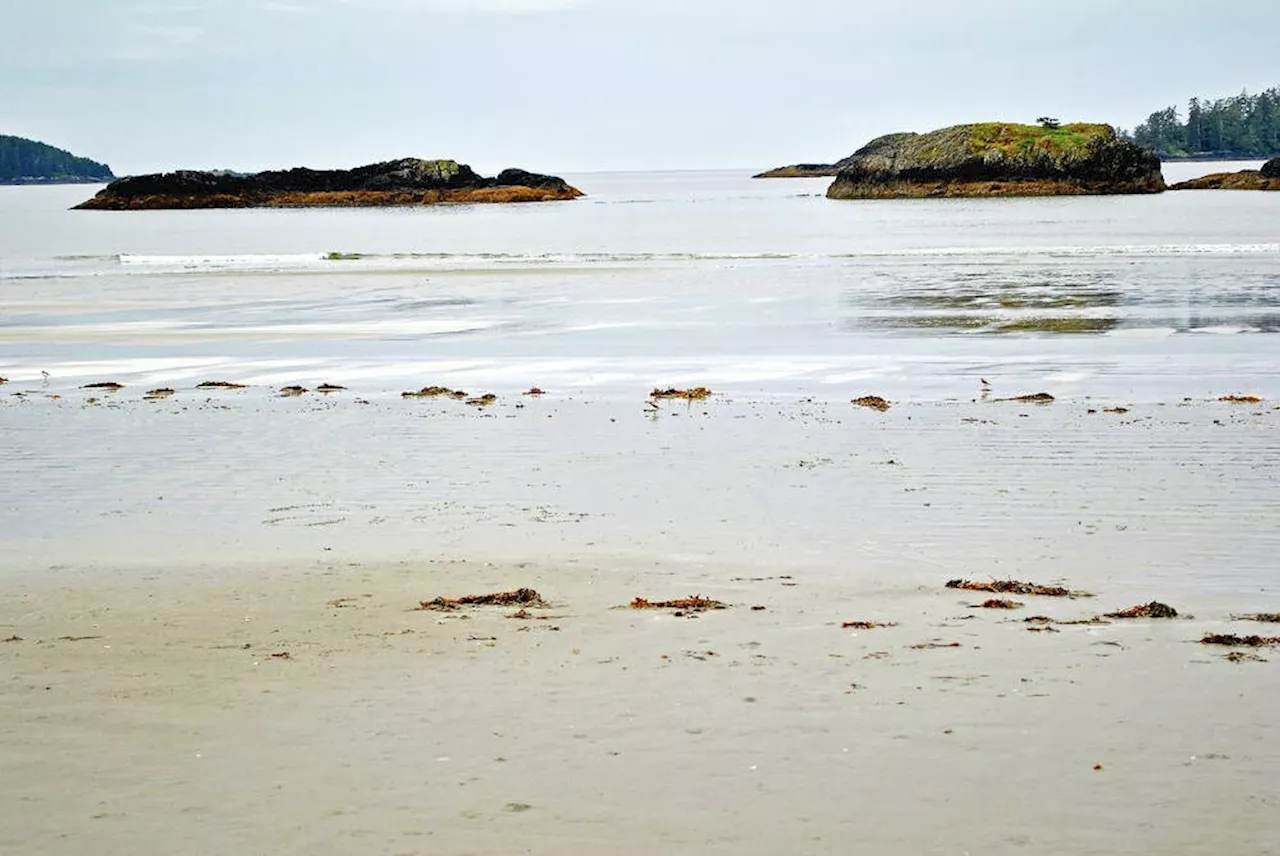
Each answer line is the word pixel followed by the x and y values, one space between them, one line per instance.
pixel 1048 123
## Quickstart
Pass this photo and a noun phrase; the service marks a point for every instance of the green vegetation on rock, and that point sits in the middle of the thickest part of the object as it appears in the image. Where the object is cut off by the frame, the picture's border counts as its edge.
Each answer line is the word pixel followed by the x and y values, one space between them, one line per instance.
pixel 1027 140
pixel 25 161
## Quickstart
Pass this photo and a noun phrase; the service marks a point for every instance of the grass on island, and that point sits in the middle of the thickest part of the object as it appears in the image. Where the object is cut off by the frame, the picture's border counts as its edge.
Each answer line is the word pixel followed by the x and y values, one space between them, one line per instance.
pixel 1013 140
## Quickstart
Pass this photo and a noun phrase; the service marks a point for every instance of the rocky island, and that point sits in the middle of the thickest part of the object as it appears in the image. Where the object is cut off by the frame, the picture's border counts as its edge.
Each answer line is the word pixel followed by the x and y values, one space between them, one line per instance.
pixel 24 161
pixel 1267 178
pixel 409 181
pixel 806 170
pixel 999 159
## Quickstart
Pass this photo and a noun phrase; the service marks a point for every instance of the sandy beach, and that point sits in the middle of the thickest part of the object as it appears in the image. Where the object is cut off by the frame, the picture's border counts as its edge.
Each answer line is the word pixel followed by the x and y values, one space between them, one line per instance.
pixel 163 558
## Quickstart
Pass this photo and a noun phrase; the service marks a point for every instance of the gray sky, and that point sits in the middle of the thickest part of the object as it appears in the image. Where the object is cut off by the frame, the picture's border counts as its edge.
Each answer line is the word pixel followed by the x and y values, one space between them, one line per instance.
pixel 569 85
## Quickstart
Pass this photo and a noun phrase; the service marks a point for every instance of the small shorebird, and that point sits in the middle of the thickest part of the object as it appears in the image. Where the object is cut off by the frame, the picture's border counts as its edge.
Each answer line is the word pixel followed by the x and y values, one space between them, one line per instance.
pixel 46 376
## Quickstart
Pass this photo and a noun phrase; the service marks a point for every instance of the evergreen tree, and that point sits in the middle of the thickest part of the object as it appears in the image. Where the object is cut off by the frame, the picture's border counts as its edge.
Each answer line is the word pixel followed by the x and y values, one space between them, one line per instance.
pixel 1243 126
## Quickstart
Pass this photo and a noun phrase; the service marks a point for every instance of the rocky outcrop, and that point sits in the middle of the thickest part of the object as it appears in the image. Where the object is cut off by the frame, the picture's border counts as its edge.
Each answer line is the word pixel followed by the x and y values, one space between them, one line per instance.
pixel 806 170
pixel 800 170
pixel 409 181
pixel 994 159
pixel 1267 178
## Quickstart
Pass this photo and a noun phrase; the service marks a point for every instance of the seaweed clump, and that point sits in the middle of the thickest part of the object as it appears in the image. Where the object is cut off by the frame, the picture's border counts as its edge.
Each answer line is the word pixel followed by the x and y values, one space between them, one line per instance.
pixel 695 603
pixel 435 392
pixel 1265 617
pixel 1155 609
pixel 1235 641
pixel 875 402
pixel 1016 587
pixel 519 597
pixel 697 393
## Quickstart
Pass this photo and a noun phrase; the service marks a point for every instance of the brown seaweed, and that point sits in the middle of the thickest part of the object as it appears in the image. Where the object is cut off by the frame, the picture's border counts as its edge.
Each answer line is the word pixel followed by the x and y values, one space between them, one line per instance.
pixel 1015 587
pixel 694 603
pixel 434 392
pixel 697 393
pixel 1265 617
pixel 875 402
pixel 1155 609
pixel 997 603
pixel 1239 641
pixel 518 597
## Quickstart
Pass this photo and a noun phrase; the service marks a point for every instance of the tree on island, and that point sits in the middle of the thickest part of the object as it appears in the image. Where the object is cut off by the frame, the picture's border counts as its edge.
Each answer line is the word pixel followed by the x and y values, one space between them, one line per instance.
pixel 1048 123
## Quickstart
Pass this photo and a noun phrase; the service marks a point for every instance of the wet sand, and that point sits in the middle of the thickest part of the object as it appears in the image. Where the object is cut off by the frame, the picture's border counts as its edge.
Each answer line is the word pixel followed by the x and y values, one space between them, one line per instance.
pixel 157 554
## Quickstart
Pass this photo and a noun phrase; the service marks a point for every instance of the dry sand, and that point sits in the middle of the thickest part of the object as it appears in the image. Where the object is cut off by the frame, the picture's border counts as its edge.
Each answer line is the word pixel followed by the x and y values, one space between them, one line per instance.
pixel 156 555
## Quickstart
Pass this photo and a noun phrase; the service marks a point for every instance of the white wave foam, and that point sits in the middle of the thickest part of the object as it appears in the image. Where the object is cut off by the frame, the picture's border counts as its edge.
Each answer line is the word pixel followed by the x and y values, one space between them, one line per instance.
pixel 219 262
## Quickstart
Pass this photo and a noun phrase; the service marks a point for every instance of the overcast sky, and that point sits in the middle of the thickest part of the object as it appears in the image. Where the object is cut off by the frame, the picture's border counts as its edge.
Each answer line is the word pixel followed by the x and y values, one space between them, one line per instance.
pixel 574 85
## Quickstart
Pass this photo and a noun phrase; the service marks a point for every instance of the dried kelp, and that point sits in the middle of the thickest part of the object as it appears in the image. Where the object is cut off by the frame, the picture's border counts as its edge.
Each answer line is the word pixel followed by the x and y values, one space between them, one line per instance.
pixel 435 392
pixel 997 603
pixel 1235 641
pixel 1265 617
pixel 1015 587
pixel 1155 609
pixel 697 393
pixel 867 625
pixel 875 402
pixel 694 603
pixel 519 597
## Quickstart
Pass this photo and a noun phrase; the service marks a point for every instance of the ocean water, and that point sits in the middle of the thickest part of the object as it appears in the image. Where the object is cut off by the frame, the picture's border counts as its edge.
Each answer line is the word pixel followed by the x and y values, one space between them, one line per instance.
pixel 656 278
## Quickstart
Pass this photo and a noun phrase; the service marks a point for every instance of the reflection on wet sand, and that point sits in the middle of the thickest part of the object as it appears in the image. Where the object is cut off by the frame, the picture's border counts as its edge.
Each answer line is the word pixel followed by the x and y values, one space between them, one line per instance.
pixel 1058 299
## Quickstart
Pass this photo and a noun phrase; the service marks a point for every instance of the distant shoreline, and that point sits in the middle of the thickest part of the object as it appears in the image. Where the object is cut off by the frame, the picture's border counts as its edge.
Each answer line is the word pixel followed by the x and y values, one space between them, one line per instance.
pixel 29 180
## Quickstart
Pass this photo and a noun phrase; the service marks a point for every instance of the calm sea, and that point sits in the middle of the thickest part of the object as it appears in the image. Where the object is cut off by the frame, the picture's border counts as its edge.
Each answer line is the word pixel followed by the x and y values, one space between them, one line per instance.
pixel 656 278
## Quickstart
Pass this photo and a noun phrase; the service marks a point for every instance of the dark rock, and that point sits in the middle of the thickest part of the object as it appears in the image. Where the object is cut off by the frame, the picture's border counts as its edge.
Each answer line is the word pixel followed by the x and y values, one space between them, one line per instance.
pixel 994 159
pixel 407 181
pixel 1245 179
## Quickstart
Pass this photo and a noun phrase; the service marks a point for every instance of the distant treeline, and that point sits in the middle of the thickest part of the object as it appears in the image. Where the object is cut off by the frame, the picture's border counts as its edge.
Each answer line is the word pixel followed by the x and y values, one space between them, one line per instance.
pixel 26 161
pixel 1243 126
